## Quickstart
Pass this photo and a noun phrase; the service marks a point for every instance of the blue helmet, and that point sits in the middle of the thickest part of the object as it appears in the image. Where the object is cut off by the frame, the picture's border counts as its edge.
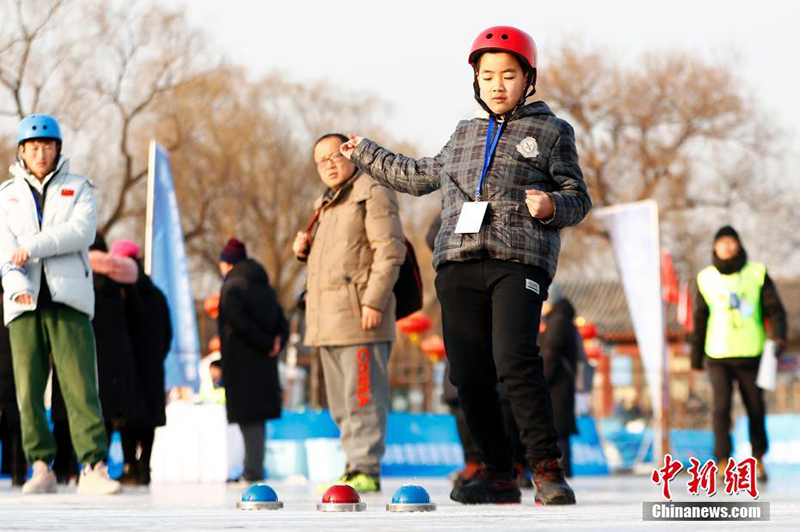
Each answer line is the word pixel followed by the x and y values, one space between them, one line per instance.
pixel 38 127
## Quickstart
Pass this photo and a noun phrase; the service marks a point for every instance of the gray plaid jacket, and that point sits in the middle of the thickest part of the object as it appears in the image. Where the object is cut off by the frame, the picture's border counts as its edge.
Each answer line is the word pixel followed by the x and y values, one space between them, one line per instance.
pixel 536 151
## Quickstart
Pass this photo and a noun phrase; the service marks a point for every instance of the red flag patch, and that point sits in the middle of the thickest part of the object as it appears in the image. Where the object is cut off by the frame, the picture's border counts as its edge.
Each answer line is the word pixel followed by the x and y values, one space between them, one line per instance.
pixel 67 192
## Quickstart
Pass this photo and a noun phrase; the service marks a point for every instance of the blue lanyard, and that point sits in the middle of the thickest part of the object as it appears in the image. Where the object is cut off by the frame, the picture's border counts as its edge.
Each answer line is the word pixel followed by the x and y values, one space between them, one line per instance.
pixel 491 146
pixel 38 207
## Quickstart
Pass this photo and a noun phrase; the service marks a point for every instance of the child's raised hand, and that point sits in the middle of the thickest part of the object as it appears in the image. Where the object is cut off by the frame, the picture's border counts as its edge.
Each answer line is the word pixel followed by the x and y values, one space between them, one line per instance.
pixel 349 147
pixel 539 204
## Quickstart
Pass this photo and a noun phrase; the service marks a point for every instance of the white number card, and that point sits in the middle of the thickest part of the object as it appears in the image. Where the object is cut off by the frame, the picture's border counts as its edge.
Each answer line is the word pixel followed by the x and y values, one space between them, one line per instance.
pixel 471 217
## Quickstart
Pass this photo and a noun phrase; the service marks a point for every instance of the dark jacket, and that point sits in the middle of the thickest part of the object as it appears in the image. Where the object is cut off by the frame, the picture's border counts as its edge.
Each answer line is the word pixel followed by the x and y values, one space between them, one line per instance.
pixel 536 151
pixel 559 350
pixel 116 369
pixel 249 320
pixel 8 392
pixel 771 309
pixel 150 328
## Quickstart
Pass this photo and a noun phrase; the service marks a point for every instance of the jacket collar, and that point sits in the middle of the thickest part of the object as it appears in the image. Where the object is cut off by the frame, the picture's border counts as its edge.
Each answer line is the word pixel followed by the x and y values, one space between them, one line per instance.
pixel 19 171
pixel 532 107
pixel 332 196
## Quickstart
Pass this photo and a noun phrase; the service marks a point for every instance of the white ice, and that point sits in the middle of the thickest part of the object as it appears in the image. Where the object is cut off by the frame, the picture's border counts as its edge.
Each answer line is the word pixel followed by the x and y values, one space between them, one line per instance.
pixel 604 504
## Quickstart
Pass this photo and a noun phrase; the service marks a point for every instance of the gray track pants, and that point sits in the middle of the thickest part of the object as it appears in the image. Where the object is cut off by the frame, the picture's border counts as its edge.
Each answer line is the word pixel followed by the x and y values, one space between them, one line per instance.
pixel 357 385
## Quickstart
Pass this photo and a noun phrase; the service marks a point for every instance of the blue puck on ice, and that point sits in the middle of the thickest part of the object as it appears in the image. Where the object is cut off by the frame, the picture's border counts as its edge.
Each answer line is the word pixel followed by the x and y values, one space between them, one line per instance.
pixel 411 498
pixel 259 497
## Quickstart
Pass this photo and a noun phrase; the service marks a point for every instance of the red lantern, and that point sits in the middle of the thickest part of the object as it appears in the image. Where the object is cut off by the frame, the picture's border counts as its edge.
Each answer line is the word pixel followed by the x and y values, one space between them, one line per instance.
pixel 214 344
pixel 587 329
pixel 433 346
pixel 416 323
pixel 594 352
pixel 211 305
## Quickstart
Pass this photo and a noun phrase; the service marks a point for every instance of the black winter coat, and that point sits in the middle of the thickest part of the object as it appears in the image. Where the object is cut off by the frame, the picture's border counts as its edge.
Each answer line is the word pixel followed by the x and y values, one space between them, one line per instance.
pixel 249 320
pixel 8 392
pixel 559 350
pixel 115 366
pixel 150 329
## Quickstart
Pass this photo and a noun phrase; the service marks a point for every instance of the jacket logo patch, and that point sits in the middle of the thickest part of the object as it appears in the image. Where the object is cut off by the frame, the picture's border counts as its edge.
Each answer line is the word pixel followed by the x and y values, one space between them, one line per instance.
pixel 363 393
pixel 67 192
pixel 533 286
pixel 528 147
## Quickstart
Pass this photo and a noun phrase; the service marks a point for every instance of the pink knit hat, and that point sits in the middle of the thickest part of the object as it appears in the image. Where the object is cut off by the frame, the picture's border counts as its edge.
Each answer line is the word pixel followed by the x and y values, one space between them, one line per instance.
pixel 125 248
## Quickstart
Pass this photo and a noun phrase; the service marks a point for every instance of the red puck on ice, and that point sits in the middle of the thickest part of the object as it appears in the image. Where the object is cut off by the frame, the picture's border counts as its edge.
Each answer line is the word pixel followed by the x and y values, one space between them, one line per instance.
pixel 341 498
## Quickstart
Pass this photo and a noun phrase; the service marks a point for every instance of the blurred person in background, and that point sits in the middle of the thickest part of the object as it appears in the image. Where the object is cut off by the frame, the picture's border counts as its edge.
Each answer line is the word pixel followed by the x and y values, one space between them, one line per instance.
pixel 354 248
pixel 559 344
pixel 150 328
pixel 735 296
pixel 252 332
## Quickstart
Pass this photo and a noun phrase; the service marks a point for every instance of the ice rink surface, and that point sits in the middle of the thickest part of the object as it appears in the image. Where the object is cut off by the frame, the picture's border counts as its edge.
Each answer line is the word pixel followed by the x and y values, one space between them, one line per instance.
pixel 604 503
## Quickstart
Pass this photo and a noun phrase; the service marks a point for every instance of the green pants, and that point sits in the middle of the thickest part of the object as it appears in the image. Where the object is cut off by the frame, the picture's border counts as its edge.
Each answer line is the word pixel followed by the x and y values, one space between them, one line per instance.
pixel 66 334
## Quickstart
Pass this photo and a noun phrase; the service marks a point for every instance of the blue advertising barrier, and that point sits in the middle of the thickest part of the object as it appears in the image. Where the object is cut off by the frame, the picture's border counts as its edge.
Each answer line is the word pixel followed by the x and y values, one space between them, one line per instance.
pixel 588 457
pixel 421 445
pixel 425 444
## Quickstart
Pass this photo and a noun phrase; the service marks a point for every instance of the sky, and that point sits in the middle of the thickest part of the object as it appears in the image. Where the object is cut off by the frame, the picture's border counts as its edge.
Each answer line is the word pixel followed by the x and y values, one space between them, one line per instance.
pixel 413 54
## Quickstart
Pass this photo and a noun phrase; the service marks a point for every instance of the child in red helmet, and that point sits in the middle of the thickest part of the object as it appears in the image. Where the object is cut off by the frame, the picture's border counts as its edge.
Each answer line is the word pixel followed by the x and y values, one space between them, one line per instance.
pixel 510 182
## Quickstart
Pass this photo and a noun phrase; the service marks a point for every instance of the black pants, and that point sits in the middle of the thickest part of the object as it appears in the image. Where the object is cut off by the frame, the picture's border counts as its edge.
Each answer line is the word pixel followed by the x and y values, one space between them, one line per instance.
pixel 566 455
pixel 470 452
pixel 722 375
pixel 13 457
pixel 134 440
pixel 490 316
pixel 65 463
pixel 254 435
pixel 517 448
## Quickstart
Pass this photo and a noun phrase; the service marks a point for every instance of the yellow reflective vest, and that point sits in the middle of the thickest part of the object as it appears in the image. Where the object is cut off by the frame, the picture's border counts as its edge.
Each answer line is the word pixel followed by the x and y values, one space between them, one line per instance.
pixel 735 324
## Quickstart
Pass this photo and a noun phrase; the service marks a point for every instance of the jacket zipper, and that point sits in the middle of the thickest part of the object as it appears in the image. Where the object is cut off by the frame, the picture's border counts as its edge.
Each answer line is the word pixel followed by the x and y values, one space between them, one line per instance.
pixel 85 266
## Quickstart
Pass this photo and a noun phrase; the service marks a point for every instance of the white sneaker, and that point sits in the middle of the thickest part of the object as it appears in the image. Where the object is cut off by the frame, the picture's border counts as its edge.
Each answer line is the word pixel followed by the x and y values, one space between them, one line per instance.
pixel 43 479
pixel 95 481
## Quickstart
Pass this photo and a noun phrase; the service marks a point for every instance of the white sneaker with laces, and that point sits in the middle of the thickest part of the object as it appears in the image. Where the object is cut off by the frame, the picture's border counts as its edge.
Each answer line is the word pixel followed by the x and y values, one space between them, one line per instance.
pixel 43 479
pixel 95 481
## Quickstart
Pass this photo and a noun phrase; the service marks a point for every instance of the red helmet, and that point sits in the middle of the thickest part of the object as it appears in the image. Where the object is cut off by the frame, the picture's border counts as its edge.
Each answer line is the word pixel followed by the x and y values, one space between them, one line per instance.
pixel 504 39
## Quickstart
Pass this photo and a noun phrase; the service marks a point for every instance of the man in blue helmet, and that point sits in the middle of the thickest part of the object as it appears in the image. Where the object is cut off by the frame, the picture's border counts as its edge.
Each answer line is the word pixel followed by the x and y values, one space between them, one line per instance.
pixel 48 219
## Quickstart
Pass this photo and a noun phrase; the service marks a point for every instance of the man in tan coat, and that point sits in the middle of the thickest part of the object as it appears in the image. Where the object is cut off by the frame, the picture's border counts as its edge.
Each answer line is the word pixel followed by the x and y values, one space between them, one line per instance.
pixel 354 249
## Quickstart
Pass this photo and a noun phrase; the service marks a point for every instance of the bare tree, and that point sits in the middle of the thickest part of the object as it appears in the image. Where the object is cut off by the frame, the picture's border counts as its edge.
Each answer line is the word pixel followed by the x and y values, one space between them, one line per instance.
pixel 31 53
pixel 247 166
pixel 673 128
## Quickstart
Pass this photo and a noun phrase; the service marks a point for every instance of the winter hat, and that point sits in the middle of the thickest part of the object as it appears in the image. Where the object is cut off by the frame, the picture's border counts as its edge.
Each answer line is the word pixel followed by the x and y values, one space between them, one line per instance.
pixel 233 252
pixel 125 248
pixel 555 295
pixel 727 231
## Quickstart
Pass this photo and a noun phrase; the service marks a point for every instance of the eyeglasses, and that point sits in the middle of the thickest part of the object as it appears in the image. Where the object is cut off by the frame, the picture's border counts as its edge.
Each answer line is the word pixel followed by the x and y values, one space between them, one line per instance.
pixel 334 158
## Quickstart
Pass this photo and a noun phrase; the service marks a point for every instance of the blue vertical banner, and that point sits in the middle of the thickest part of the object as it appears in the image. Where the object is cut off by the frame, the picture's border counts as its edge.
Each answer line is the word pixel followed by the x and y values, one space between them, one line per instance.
pixel 166 263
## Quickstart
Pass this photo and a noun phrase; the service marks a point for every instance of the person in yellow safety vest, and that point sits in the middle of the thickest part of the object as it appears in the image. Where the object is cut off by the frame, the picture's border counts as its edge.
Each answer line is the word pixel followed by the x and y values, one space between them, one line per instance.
pixel 734 298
